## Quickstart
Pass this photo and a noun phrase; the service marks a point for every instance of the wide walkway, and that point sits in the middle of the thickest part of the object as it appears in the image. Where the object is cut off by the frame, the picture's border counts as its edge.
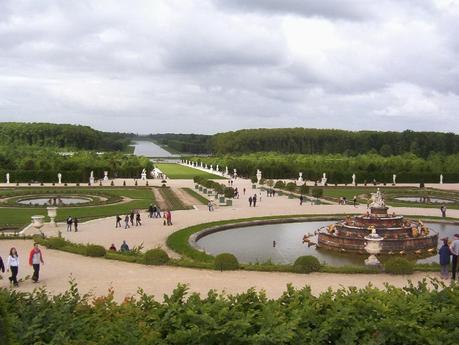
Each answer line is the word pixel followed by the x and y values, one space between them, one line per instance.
pixel 98 275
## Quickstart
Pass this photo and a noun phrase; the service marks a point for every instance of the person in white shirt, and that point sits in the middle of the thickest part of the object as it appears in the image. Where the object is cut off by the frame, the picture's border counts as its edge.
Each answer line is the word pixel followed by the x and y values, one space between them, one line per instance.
pixel 454 248
pixel 12 265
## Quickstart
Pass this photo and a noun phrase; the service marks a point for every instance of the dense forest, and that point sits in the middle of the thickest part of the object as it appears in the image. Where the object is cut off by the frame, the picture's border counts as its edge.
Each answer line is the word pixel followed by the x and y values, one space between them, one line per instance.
pixel 339 168
pixel 184 143
pixel 61 136
pixel 417 314
pixel 42 164
pixel 330 141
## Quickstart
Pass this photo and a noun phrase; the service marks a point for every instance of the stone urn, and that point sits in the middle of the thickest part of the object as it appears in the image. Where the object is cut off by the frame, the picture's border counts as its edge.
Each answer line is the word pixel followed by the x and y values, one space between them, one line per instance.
pixel 38 221
pixel 373 247
pixel 52 214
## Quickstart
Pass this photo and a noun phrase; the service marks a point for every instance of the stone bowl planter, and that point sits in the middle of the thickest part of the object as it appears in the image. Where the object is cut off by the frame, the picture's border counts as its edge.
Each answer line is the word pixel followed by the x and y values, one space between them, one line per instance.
pixel 38 221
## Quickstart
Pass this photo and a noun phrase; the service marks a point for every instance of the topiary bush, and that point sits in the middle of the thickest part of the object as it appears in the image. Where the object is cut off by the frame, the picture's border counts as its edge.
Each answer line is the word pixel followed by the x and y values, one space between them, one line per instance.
pixel 95 250
pixel 279 184
pixel 156 256
pixel 226 262
pixel 306 264
pixel 399 265
pixel 55 242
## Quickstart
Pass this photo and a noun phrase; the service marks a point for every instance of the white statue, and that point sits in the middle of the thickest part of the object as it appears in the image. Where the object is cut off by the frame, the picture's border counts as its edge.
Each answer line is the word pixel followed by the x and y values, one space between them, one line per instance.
pixel 143 176
pixel 353 179
pixel 258 176
pixel 91 178
pixel 8 178
pixel 300 177
pixel 206 167
pixel 394 179
pixel 226 171
pixel 441 179
pixel 235 173
pixel 59 177
pixel 201 165
pixel 216 168
pixel 105 175
pixel 211 168
pixel 324 179
pixel 377 199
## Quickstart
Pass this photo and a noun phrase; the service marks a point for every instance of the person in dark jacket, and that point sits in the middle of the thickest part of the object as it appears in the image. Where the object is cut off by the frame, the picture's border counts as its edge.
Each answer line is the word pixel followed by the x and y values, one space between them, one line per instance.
pixel 445 256
pixel 2 266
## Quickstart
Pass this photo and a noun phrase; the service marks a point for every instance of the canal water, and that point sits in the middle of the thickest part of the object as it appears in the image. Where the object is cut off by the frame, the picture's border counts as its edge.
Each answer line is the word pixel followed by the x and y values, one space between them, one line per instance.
pixel 150 149
pixel 254 244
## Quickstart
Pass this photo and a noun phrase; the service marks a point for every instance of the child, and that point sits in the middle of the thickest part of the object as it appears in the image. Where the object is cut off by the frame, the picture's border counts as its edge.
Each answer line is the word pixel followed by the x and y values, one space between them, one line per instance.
pixel 445 254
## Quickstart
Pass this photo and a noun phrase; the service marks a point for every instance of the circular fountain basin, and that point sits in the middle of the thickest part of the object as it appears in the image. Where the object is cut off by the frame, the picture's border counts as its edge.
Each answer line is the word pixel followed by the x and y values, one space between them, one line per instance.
pixel 254 244
pixel 46 201
pixel 417 199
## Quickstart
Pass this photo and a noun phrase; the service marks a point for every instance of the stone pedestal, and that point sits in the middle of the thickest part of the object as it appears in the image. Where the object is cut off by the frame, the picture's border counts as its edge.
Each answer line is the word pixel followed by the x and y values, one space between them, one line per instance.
pixel 52 214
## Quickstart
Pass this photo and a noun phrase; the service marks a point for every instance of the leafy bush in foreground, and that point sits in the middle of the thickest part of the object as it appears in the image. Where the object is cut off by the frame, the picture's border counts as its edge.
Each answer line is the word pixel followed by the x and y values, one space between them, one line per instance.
pixel 95 250
pixel 226 262
pixel 399 266
pixel 411 316
pixel 156 256
pixel 306 264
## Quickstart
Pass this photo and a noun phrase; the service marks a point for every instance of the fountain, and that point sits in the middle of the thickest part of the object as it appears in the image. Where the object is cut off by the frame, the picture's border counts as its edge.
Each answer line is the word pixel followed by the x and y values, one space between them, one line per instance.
pixel 393 234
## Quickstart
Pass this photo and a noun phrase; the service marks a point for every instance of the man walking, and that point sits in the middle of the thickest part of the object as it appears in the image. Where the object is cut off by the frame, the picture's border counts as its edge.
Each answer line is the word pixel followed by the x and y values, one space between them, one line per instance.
pixel 250 201
pixel 443 211
pixel 126 222
pixel 301 199
pixel 75 224
pixel 150 211
pixel 137 219
pixel 69 223
pixel 455 252
pixel 254 200
pixel 131 217
pixel 118 221
pixel 35 259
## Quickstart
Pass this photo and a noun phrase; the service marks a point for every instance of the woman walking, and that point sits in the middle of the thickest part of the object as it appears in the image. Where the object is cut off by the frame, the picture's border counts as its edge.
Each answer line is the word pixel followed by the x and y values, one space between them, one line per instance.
pixel 13 266
pixel 35 259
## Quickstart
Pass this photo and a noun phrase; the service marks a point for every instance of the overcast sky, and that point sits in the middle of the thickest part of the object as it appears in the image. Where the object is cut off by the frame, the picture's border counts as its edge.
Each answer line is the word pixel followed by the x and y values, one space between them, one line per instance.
pixel 208 66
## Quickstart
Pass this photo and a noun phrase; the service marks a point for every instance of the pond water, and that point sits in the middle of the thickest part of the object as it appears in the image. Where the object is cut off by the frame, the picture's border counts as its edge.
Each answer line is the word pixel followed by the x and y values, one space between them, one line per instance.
pixel 255 243
pixel 418 199
pixel 50 201
pixel 150 149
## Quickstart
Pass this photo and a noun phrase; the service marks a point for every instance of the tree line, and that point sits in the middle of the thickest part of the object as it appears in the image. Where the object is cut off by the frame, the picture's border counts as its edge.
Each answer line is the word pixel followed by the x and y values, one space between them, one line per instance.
pixel 339 168
pixel 61 136
pixel 332 141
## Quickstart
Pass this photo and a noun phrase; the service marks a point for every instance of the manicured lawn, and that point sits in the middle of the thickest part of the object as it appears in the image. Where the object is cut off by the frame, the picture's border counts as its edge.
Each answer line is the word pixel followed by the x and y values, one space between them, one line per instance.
pixel 177 171
pixel 12 217
pixel 197 196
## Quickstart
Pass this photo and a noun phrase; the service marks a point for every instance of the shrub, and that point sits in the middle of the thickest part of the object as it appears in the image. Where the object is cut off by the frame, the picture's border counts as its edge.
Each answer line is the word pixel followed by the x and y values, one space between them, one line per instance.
pixel 306 264
pixel 254 179
pixel 279 184
pixel 291 186
pixel 55 243
pixel 156 256
pixel 226 262
pixel 229 192
pixel 317 192
pixel 399 265
pixel 95 250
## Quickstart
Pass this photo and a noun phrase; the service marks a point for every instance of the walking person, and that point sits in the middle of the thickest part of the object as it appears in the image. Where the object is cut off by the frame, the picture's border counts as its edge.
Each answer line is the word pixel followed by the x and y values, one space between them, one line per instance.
pixel 13 266
pixel 354 200
pixel 210 206
pixel 443 211
pixel 150 211
pixel 250 201
pixel 243 191
pixel 254 200
pixel 445 255
pixel 69 223
pixel 35 259
pixel 158 212
pixel 301 199
pixel 137 219
pixel 126 222
pixel 118 221
pixel 2 266
pixel 455 252
pixel 75 224
pixel 169 217
pixel 131 217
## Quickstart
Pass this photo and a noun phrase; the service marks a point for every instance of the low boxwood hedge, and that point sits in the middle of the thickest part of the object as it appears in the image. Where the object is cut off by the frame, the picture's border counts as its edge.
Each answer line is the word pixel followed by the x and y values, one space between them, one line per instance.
pixel 306 264
pixel 156 256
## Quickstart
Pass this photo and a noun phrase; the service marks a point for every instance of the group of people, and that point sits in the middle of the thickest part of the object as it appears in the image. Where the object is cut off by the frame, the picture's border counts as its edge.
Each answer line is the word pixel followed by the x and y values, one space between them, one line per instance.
pixel 72 222
pixel 447 251
pixel 253 200
pixel 343 201
pixel 123 248
pixel 12 264
pixel 129 220
pixel 154 211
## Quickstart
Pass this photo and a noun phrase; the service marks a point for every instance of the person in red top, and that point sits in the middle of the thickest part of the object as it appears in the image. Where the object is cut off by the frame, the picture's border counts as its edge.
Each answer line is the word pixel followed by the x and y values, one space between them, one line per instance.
pixel 35 259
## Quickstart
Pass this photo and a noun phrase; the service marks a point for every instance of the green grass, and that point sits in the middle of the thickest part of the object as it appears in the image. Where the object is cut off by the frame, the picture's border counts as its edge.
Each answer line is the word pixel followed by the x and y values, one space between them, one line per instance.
pixel 177 171
pixel 196 195
pixel 171 199
pixel 16 218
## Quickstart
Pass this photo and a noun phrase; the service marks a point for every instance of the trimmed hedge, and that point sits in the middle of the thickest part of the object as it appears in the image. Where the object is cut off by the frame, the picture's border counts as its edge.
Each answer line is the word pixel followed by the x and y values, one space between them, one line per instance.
pixel 226 262
pixel 306 264
pixel 156 256
pixel 95 250
pixel 399 266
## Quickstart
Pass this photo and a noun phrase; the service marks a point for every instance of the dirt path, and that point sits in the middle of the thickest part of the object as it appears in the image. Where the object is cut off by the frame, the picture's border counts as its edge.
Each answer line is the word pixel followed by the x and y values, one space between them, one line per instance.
pixel 159 199
pixel 187 199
